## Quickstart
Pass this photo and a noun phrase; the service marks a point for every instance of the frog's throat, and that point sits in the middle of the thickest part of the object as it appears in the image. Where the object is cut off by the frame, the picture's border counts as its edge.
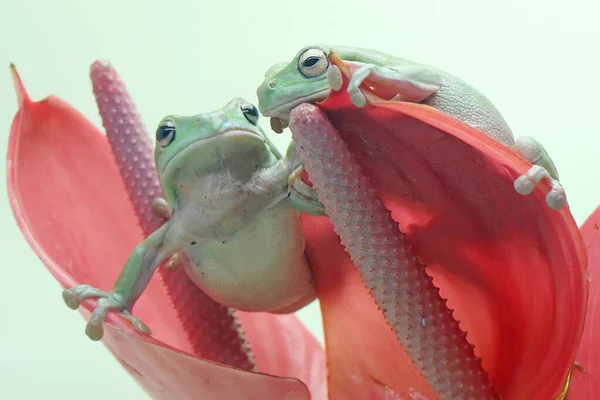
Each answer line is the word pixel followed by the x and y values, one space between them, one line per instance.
pixel 283 110
pixel 232 133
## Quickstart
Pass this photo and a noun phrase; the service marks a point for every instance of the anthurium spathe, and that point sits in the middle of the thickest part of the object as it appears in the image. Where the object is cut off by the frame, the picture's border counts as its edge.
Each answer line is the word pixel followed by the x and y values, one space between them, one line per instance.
pixel 585 379
pixel 84 235
pixel 450 190
pixel 519 254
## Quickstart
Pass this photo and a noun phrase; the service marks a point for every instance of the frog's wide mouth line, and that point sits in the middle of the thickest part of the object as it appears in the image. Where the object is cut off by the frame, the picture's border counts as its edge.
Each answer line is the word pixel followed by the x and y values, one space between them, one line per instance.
pixel 232 133
pixel 284 109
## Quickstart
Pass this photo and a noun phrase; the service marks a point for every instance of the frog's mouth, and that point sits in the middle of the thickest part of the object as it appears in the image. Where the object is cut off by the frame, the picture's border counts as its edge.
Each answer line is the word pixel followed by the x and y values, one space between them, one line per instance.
pixel 193 145
pixel 280 114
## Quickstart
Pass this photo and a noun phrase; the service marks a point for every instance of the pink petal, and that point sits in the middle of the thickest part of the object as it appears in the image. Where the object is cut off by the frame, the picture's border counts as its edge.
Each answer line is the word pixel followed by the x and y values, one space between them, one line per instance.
pixel 585 381
pixel 512 269
pixel 70 203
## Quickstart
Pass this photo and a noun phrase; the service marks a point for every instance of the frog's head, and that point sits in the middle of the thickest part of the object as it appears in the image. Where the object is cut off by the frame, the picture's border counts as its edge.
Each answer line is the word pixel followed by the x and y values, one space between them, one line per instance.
pixel 287 85
pixel 207 141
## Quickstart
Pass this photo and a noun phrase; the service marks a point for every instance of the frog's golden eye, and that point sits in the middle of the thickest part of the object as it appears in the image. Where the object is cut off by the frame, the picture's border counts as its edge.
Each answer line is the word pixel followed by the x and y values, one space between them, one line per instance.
pixel 313 63
pixel 250 112
pixel 165 134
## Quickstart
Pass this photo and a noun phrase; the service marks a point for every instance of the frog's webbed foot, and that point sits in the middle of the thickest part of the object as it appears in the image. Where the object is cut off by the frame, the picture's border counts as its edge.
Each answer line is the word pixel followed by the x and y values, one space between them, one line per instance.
pixel 107 301
pixel 556 197
pixel 161 208
pixel 413 83
pixel 543 168
pixel 303 197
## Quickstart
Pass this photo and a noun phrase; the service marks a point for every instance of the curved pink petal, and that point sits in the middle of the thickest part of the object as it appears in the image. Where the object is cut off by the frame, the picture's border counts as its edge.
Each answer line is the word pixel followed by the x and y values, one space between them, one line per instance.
pixel 512 269
pixel 71 205
pixel 585 378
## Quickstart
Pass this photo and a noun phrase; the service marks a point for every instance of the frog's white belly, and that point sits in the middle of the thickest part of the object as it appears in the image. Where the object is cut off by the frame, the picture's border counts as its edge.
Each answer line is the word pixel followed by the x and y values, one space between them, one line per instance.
pixel 260 268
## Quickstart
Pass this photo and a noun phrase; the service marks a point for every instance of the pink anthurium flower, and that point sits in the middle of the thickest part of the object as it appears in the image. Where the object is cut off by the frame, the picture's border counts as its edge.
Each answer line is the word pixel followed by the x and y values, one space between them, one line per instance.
pixel 513 271
pixel 70 203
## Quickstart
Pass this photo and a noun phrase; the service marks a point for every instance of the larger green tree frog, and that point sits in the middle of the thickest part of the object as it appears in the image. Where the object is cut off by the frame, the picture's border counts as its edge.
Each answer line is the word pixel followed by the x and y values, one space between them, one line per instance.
pixel 226 187
pixel 309 77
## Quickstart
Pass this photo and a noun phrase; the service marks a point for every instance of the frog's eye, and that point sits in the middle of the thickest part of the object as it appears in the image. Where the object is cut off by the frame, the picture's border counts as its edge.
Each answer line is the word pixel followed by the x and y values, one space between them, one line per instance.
pixel 250 112
pixel 165 134
pixel 313 63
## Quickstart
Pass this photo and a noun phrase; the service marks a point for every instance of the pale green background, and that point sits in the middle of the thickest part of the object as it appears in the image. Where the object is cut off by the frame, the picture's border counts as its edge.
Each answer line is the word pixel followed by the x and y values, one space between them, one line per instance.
pixel 536 60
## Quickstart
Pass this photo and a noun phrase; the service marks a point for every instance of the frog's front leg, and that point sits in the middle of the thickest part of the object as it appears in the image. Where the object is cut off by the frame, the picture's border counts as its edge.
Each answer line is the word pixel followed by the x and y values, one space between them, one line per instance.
pixel 543 168
pixel 412 83
pixel 132 281
pixel 406 83
pixel 161 208
pixel 415 84
pixel 300 195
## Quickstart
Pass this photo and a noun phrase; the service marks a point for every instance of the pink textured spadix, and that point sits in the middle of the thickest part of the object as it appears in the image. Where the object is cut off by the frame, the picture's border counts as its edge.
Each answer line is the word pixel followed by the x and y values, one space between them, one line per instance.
pixel 211 328
pixel 398 282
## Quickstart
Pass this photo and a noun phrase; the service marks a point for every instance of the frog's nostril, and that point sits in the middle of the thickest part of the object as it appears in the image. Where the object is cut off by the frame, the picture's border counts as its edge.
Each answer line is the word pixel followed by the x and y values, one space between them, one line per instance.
pixel 272 85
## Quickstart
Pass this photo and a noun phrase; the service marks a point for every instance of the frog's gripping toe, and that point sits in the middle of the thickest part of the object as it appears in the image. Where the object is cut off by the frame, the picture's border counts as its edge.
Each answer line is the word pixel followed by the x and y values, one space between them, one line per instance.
pixel 74 296
pixel 161 208
pixel 106 302
pixel 524 185
pixel 303 197
pixel 334 77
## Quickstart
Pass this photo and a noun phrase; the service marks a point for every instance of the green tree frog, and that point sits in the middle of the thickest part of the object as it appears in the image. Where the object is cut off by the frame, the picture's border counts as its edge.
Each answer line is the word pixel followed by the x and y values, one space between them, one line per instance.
pixel 231 225
pixel 309 78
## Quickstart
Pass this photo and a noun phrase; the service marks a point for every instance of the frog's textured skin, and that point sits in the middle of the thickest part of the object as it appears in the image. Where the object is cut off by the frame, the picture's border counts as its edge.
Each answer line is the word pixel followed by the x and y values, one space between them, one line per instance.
pixel 225 187
pixel 310 78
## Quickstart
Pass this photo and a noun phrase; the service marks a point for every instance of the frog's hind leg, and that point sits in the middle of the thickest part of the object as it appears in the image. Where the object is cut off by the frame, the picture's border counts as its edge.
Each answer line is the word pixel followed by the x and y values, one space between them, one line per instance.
pixel 543 168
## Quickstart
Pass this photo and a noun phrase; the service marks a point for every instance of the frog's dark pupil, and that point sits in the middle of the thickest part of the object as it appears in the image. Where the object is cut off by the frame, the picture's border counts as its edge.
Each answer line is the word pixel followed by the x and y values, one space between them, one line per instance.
pixel 250 109
pixel 310 61
pixel 164 131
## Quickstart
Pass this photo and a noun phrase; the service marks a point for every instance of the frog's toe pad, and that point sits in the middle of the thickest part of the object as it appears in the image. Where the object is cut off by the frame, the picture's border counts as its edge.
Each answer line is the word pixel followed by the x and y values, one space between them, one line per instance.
pixel 161 208
pixel 70 300
pixel 94 332
pixel 524 185
pixel 175 261
pixel 334 77
pixel 556 197
pixel 358 99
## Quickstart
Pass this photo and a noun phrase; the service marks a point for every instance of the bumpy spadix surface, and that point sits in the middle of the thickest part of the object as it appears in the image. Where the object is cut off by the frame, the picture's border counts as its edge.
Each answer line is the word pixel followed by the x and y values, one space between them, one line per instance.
pixel 396 279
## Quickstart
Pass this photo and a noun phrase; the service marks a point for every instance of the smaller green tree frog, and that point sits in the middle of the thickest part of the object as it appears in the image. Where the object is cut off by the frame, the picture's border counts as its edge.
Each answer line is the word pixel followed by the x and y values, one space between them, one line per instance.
pixel 231 225
pixel 309 78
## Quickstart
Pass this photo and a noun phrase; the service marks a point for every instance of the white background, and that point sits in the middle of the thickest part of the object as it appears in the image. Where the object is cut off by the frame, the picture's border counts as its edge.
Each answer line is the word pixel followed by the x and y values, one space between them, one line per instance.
pixel 537 60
